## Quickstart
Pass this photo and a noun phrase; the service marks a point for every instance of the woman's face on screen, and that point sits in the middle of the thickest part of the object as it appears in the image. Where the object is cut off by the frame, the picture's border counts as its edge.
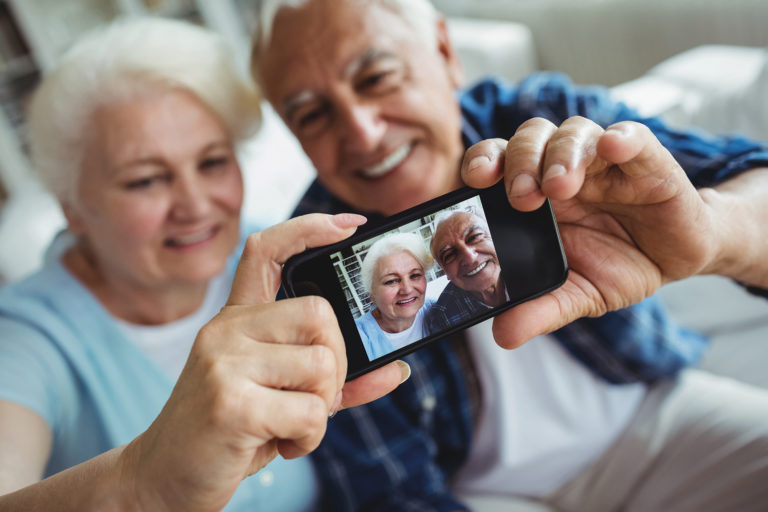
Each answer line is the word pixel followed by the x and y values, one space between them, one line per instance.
pixel 398 288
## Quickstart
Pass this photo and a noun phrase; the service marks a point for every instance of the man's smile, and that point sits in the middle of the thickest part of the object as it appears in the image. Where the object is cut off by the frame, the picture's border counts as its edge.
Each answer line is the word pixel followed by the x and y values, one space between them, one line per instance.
pixel 388 163
pixel 477 269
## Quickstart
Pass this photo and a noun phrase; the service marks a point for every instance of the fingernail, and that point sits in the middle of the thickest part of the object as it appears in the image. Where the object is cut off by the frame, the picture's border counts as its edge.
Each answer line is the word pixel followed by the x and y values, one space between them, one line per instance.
pixel 405 370
pixel 478 161
pixel 336 405
pixel 348 220
pixel 523 185
pixel 554 171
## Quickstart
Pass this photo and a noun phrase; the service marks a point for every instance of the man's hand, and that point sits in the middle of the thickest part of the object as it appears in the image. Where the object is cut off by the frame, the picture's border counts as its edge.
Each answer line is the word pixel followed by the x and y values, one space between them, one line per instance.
pixel 261 379
pixel 629 217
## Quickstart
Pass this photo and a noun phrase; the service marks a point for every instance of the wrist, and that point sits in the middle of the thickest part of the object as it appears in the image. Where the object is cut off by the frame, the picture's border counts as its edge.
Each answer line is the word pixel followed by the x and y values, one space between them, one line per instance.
pixel 730 234
pixel 129 490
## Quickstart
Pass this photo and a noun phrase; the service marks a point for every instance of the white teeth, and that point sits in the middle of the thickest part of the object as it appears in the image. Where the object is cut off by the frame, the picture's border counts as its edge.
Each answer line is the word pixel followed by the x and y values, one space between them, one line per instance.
pixel 478 269
pixel 407 301
pixel 389 163
pixel 191 239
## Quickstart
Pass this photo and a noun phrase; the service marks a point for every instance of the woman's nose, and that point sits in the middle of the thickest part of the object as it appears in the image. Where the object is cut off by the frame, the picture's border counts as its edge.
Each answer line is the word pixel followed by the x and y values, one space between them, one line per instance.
pixel 190 199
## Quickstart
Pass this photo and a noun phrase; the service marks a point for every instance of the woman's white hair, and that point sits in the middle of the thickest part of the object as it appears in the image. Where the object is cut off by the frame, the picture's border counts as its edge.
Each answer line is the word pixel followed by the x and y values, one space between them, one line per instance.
pixel 392 244
pixel 421 15
pixel 120 61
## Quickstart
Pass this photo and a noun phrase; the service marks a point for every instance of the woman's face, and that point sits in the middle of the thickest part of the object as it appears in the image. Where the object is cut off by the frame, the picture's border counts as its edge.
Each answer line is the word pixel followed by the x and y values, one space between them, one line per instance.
pixel 398 287
pixel 160 191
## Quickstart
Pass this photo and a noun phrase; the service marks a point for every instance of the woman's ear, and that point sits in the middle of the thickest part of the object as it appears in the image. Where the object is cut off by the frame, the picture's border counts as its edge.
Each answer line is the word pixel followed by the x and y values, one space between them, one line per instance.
pixel 74 219
pixel 446 49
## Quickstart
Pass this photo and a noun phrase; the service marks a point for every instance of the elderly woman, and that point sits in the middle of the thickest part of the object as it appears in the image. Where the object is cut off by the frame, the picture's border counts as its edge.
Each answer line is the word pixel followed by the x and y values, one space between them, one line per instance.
pixel 135 134
pixel 394 275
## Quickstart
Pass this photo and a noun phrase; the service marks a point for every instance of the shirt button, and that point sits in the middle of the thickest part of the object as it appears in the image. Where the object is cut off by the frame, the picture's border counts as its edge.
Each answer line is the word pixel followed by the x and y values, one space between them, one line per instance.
pixel 266 478
pixel 428 403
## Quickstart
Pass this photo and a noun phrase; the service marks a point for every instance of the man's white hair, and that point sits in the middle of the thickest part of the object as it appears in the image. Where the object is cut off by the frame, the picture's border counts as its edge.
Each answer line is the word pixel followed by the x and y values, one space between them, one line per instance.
pixel 392 244
pixel 421 15
pixel 130 57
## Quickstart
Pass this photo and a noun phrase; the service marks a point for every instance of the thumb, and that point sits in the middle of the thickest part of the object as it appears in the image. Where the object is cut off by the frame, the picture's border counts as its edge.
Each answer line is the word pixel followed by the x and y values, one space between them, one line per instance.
pixel 258 273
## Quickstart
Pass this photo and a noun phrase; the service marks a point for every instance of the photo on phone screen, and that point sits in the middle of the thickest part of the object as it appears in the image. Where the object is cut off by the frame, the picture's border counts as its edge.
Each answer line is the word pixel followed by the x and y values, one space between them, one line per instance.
pixel 421 278
pixel 430 271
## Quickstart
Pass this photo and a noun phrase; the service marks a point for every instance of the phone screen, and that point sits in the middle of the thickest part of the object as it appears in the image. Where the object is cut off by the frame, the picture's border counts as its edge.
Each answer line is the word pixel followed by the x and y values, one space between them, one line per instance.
pixel 430 271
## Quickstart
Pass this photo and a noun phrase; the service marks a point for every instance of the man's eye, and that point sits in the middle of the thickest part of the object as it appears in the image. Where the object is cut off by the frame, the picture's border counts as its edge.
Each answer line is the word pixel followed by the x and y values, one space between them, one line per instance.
pixel 476 237
pixel 371 81
pixel 311 118
pixel 448 257
pixel 380 81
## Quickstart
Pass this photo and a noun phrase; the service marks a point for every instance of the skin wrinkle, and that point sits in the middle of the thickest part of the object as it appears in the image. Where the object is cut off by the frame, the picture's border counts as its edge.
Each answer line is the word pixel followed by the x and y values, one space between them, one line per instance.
pixel 366 122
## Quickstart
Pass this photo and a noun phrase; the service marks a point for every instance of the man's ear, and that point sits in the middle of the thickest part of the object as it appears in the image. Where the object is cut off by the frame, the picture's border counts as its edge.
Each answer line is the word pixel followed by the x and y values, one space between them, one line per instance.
pixel 446 49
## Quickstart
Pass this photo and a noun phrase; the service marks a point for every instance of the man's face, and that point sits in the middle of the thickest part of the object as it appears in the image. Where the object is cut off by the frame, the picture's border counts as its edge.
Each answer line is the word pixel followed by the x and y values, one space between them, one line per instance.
pixel 463 247
pixel 372 104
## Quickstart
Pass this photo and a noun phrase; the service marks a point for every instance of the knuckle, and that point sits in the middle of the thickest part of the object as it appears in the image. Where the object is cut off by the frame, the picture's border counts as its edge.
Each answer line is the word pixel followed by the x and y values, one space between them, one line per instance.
pixel 315 414
pixel 322 362
pixel 535 123
pixel 565 142
pixel 319 309
pixel 253 244
pixel 226 401
pixel 577 122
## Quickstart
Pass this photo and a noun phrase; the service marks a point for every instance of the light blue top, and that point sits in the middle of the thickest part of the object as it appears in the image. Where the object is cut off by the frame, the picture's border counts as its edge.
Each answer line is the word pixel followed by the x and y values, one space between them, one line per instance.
pixel 62 356
pixel 378 343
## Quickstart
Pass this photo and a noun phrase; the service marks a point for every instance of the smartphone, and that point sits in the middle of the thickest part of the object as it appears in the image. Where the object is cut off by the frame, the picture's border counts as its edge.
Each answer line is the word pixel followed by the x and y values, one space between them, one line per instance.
pixel 432 270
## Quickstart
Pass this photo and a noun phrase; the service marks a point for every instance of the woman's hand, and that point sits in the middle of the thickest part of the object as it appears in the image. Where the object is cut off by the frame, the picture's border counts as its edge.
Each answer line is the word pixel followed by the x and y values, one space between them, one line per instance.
pixel 261 379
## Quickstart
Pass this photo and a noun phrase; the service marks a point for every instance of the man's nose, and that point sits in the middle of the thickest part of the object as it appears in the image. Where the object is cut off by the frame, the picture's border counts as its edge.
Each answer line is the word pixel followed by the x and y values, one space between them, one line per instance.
pixel 363 127
pixel 467 255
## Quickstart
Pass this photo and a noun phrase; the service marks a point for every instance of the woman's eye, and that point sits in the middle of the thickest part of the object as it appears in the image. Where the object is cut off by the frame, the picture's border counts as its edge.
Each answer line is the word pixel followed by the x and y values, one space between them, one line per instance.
pixel 416 276
pixel 214 163
pixel 144 183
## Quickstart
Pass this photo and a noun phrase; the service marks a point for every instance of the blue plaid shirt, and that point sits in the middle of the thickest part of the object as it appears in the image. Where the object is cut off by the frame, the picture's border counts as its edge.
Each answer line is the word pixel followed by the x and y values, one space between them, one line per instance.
pixel 400 452
pixel 452 307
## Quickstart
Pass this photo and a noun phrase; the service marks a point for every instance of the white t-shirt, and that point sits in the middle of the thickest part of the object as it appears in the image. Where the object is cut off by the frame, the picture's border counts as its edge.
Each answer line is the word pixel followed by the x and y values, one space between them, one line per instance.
pixel 168 345
pixel 414 333
pixel 552 419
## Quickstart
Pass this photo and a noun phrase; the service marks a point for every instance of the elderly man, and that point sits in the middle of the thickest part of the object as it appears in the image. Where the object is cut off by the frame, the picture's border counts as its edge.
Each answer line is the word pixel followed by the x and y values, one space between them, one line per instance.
pixel 463 248
pixel 600 414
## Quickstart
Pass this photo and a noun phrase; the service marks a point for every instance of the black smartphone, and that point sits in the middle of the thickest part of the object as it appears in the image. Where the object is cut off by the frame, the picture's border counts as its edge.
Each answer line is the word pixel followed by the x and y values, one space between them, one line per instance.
pixel 430 271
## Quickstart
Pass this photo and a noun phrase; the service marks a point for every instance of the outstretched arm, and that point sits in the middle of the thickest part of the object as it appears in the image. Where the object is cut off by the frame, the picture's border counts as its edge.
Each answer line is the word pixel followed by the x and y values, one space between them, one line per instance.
pixel 261 379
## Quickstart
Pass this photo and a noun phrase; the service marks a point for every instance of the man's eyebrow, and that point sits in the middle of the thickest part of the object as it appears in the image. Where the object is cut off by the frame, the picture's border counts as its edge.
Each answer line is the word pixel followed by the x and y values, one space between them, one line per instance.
pixel 442 251
pixel 472 228
pixel 365 59
pixel 295 101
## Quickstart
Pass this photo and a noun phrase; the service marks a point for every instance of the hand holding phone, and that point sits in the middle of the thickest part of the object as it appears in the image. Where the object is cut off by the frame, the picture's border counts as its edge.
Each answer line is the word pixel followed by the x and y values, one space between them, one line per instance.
pixel 432 270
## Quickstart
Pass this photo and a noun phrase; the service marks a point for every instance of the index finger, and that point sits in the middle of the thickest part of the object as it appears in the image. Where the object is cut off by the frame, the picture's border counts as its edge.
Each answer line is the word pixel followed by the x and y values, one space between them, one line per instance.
pixel 257 278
